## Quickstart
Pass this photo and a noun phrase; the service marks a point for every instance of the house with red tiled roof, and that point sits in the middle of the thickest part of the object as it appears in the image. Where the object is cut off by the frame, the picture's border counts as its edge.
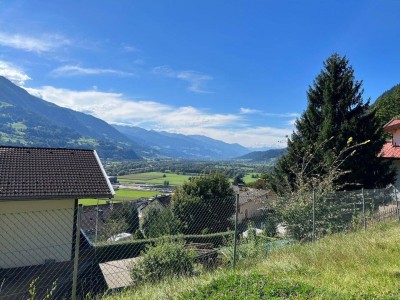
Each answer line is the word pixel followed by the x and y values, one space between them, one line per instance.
pixel 391 149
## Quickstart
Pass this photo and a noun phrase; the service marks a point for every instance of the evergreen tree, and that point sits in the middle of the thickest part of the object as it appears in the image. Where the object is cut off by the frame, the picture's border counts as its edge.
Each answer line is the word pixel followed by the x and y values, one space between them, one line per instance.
pixel 336 116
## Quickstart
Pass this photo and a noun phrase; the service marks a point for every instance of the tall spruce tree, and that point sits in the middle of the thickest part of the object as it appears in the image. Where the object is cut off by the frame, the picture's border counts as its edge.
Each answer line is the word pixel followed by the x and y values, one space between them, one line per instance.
pixel 336 115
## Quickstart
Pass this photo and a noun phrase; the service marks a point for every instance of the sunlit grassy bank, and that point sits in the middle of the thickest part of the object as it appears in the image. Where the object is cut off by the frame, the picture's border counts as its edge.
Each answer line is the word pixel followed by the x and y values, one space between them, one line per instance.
pixel 343 266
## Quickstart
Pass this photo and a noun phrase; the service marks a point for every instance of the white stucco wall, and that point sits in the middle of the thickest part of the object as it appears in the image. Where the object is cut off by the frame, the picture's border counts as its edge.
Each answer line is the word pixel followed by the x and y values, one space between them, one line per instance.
pixel 32 232
pixel 252 208
pixel 396 137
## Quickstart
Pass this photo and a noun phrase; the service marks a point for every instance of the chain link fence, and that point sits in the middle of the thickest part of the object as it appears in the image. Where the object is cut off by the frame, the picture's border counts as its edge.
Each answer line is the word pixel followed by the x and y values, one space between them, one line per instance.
pixel 73 253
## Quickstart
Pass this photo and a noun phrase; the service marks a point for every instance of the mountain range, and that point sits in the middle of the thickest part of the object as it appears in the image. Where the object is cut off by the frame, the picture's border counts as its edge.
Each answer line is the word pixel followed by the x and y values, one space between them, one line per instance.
pixel 268 156
pixel 26 120
pixel 182 146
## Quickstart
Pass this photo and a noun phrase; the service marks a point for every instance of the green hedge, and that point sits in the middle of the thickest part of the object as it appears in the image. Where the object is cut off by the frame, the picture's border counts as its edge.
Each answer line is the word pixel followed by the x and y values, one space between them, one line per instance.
pixel 107 251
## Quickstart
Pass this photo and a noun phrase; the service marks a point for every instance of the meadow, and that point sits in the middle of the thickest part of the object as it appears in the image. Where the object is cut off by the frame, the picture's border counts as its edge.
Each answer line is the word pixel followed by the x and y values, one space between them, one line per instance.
pixel 156 178
pixel 148 178
pixel 249 177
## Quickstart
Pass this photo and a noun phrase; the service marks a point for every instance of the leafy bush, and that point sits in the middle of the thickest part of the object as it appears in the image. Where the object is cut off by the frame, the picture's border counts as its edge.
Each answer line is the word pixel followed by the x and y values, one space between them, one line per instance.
pixel 157 222
pixel 251 246
pixel 204 204
pixel 106 251
pixel 166 259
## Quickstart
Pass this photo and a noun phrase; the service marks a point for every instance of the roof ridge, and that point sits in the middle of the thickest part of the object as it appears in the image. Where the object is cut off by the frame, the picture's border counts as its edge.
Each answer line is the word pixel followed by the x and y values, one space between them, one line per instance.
pixel 44 148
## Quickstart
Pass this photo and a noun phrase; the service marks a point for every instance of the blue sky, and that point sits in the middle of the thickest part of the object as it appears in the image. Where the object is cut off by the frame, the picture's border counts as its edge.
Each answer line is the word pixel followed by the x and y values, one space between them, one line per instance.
pixel 232 70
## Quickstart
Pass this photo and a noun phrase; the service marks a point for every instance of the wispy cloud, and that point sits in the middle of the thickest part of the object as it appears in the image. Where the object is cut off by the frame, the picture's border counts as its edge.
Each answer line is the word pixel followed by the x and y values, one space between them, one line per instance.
pixel 13 73
pixel 129 48
pixel 70 70
pixel 117 108
pixel 195 79
pixel 44 43
pixel 248 136
pixel 246 111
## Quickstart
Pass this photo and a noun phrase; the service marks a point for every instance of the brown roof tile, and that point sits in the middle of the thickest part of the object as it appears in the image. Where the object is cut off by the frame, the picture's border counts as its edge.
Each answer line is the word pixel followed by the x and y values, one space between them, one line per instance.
pixel 51 173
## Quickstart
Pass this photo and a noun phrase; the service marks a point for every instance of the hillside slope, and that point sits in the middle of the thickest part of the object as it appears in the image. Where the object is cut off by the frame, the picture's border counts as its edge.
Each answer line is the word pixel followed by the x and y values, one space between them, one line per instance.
pixel 26 120
pixel 263 156
pixel 387 106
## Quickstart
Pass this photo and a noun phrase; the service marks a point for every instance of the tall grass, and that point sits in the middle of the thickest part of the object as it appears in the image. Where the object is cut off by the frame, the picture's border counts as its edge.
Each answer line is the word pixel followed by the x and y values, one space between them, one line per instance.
pixel 361 265
pixel 357 265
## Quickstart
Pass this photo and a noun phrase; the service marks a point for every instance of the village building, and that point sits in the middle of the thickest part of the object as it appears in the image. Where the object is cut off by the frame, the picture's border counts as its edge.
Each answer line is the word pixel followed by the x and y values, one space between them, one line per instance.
pixel 252 202
pixel 391 149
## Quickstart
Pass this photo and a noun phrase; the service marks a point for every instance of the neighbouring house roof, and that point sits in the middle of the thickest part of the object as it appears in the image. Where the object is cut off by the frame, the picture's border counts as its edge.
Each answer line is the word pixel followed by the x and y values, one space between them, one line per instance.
pixel 389 151
pixel 392 125
pixel 250 194
pixel 51 173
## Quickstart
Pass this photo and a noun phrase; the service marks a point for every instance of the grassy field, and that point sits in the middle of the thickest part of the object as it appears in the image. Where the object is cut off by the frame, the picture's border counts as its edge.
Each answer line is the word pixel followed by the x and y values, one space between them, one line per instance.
pixel 121 195
pixel 342 266
pixel 248 177
pixel 154 178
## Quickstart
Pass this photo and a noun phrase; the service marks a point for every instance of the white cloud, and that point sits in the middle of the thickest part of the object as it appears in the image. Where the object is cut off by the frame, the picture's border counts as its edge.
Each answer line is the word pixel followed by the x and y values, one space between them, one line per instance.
pixel 44 43
pixel 117 108
pixel 69 70
pixel 128 48
pixel 195 79
pixel 246 111
pixel 13 73
pixel 248 137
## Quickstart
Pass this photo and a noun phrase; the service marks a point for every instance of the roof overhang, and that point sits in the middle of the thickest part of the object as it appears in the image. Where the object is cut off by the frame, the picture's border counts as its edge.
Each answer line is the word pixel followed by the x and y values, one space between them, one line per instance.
pixel 58 197
pixel 392 125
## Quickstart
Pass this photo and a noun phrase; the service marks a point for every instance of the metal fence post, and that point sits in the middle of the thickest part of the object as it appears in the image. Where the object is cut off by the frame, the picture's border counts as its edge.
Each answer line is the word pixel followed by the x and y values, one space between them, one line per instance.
pixel 76 258
pixel 363 209
pixel 397 202
pixel 97 218
pixel 313 216
pixel 235 236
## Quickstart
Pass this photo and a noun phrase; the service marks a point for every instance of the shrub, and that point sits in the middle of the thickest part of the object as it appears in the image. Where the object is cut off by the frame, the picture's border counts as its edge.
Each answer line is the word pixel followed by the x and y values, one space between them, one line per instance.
pixel 106 251
pixel 166 259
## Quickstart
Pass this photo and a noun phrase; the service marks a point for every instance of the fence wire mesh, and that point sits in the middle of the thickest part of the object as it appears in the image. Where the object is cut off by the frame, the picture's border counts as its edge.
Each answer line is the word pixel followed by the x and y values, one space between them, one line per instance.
pixel 112 246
